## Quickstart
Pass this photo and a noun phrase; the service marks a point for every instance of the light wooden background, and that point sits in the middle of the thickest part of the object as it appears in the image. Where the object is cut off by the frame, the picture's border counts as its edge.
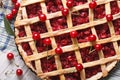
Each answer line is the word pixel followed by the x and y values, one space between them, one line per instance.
pixel 7 68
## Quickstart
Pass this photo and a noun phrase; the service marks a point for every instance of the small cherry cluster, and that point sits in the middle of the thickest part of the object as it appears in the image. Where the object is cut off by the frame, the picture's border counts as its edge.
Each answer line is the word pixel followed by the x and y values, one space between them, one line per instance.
pixel 14 10
pixel 10 56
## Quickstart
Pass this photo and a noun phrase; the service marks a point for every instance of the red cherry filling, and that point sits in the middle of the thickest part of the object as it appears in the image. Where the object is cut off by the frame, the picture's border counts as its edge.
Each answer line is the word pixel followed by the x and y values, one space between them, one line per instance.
pixel 41 46
pixel 87 56
pixel 116 24
pixel 92 71
pixel 21 31
pixel 102 31
pixel 39 27
pixel 48 65
pixel 108 50
pixel 63 40
pixel 36 9
pixel 114 7
pixel 72 76
pixel 27 48
pixel 83 35
pixel 58 23
pixel 80 17
pixel 99 11
pixel 53 5
pixel 68 59
pixel 79 2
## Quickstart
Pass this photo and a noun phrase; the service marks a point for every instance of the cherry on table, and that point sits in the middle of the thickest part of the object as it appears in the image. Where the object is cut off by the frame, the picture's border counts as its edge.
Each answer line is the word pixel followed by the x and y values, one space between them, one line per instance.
pixel 19 72
pixel 9 16
pixel 10 56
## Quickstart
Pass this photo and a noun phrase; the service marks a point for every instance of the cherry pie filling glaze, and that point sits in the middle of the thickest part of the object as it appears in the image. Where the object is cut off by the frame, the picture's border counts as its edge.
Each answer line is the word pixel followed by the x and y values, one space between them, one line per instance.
pixel 69 59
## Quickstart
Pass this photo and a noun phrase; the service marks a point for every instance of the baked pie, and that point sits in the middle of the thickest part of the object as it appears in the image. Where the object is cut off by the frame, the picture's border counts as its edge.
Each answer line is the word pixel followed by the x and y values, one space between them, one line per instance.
pixel 69 39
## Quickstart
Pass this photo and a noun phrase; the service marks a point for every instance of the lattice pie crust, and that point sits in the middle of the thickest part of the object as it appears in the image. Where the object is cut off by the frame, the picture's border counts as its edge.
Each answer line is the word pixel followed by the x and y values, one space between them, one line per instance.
pixel 33 60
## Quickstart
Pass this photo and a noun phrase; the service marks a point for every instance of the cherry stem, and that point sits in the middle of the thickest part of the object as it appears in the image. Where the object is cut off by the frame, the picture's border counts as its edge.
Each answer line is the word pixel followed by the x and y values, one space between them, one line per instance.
pixel 15 64
pixel 91 51
pixel 50 56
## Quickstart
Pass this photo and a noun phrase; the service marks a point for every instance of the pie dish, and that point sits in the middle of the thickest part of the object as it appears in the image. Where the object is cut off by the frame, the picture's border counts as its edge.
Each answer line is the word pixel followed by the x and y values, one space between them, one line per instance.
pixel 69 39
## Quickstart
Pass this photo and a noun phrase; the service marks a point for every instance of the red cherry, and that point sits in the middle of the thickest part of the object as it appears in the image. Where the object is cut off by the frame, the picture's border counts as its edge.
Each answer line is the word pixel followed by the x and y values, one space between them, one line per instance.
pixel 93 4
pixel 19 72
pixel 98 47
pixel 59 50
pixel 9 16
pixel 36 36
pixel 69 3
pixel 14 1
pixel 109 17
pixel 65 12
pixel 14 11
pixel 17 5
pixel 79 67
pixel 10 56
pixel 92 38
pixel 42 17
pixel 47 41
pixel 73 34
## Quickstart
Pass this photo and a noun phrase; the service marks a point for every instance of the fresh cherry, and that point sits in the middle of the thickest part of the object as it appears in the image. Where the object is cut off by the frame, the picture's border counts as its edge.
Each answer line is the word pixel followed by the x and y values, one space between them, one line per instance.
pixel 65 12
pixel 17 5
pixel 59 50
pixel 92 4
pixel 10 56
pixel 98 47
pixel 109 17
pixel 35 35
pixel 73 34
pixel 47 41
pixel 92 38
pixel 79 67
pixel 14 1
pixel 69 3
pixel 9 16
pixel 42 17
pixel 14 12
pixel 19 72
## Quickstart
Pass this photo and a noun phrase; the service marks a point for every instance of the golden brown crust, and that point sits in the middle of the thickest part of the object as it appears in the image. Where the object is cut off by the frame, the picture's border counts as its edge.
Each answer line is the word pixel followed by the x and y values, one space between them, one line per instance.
pixel 36 56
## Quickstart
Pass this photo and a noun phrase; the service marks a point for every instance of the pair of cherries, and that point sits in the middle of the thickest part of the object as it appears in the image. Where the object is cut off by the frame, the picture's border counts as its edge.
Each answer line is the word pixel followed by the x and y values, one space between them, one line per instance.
pixel 14 10
pixel 10 56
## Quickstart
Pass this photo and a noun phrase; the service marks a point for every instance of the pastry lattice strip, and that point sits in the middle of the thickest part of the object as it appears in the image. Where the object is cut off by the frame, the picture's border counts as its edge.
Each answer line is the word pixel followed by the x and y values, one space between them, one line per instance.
pixel 35 57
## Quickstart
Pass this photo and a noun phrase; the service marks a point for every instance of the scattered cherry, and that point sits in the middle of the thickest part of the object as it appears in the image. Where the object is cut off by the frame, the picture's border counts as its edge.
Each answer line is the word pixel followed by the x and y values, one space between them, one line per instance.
pixel 14 1
pixel 65 12
pixel 69 3
pixel 10 56
pixel 14 12
pixel 19 72
pixel 9 16
pixel 47 41
pixel 73 34
pixel 98 47
pixel 79 67
pixel 35 35
pixel 42 17
pixel 92 38
pixel 109 17
pixel 17 5
pixel 92 4
pixel 59 50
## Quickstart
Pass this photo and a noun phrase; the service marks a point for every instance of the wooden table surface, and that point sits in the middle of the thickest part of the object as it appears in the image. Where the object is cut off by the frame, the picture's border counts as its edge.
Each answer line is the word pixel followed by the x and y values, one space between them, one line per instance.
pixel 7 68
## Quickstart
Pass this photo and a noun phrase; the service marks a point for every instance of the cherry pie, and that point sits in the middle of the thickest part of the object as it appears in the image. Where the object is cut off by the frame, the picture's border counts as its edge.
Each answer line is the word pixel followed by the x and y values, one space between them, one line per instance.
pixel 69 39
